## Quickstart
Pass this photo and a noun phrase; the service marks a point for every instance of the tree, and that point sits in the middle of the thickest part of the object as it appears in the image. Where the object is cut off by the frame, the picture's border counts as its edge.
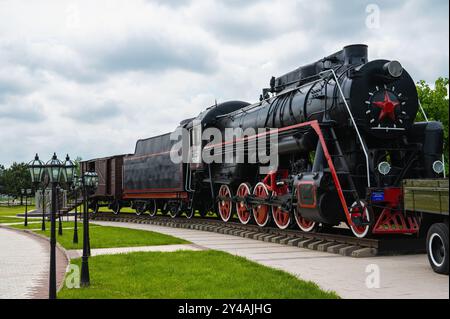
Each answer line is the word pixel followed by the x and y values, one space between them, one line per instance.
pixel 77 163
pixel 2 173
pixel 435 103
pixel 15 178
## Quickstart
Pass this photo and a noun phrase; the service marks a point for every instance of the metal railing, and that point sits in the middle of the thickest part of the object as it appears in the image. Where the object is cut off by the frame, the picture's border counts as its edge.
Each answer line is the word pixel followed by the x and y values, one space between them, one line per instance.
pixel 363 145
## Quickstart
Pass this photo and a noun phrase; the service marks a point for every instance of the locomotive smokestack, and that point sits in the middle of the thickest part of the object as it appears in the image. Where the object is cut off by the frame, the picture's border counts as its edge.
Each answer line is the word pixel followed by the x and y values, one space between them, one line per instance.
pixel 355 54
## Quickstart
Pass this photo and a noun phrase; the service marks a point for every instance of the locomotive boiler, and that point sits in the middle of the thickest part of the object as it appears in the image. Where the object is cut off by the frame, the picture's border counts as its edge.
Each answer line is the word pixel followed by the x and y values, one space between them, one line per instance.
pixel 346 137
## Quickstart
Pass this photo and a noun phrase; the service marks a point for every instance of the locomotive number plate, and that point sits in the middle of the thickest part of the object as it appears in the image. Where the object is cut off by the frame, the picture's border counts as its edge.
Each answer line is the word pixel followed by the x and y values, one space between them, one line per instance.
pixel 377 196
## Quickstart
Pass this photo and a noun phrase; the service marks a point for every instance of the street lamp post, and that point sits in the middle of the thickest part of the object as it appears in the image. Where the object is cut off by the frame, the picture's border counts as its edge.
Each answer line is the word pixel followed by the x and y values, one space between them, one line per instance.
pixel 89 182
pixel 69 173
pixel 44 208
pixel 23 191
pixel 75 186
pixel 37 171
pixel 29 193
pixel 51 172
pixel 58 209
pixel 54 167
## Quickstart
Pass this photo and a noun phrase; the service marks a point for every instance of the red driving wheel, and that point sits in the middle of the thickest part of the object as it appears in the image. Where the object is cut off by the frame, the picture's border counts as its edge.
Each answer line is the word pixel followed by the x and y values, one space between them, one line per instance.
pixel 243 212
pixel 303 223
pixel 261 211
pixel 362 211
pixel 225 203
pixel 281 217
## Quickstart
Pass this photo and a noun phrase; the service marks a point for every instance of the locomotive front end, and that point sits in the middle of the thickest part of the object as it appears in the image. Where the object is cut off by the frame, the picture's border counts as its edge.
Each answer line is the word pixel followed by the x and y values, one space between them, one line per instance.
pixel 383 98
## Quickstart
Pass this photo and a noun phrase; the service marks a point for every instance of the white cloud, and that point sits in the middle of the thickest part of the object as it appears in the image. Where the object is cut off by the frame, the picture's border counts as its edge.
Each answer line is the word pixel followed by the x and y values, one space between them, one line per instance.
pixel 90 78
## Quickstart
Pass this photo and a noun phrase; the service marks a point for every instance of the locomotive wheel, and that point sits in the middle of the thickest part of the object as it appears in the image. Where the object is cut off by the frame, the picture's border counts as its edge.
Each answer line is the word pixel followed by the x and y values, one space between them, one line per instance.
pixel 363 211
pixel 225 204
pixel 244 214
pixel 152 208
pixel 190 213
pixel 281 217
pixel 303 223
pixel 173 210
pixel 261 212
pixel 140 208
pixel 115 206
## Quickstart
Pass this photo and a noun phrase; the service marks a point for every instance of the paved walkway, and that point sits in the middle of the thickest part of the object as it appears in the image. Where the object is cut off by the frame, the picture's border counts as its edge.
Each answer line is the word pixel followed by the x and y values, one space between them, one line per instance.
pixel 399 276
pixel 77 253
pixel 24 265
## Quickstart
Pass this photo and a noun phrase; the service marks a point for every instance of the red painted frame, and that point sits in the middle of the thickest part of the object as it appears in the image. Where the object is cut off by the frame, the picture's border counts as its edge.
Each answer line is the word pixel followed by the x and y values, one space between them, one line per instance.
pixel 271 181
pixel 392 219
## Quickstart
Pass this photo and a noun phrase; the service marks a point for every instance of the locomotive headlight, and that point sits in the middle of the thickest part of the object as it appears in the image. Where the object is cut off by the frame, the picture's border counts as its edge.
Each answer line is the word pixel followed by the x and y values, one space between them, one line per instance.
pixel 438 167
pixel 384 168
pixel 393 68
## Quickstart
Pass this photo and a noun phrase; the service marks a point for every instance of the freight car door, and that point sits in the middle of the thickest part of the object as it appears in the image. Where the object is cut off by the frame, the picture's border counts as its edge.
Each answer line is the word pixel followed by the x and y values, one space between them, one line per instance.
pixel 102 171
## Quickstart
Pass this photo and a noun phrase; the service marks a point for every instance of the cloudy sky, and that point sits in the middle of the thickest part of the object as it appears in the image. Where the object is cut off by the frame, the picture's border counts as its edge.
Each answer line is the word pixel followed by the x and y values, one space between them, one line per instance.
pixel 91 77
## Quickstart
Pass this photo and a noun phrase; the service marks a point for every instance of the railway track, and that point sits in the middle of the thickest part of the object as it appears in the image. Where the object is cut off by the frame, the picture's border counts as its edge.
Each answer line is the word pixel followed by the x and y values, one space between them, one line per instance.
pixel 339 241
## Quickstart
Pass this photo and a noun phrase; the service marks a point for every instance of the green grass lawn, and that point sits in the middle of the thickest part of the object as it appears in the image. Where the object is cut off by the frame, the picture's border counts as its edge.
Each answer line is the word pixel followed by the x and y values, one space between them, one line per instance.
pixel 4 219
pixel 13 210
pixel 8 214
pixel 36 223
pixel 189 274
pixel 101 236
pixel 106 237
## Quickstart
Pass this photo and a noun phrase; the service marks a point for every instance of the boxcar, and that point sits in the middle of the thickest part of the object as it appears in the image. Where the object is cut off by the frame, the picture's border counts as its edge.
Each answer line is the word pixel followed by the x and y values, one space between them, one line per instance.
pixel 110 177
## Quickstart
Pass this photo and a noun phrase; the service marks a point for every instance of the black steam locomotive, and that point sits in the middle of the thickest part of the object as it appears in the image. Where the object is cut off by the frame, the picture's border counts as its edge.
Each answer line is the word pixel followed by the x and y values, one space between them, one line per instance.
pixel 345 135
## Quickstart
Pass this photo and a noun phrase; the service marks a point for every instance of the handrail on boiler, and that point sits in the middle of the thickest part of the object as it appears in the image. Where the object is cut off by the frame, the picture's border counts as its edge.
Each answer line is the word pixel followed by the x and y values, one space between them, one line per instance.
pixel 352 119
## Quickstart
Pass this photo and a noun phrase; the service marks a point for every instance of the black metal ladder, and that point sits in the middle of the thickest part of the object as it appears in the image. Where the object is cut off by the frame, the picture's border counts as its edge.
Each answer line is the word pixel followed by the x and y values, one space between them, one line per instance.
pixel 343 173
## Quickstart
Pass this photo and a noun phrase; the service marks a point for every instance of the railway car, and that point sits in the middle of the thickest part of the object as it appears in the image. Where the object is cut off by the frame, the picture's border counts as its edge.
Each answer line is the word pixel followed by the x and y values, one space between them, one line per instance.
pixel 346 138
pixel 151 180
pixel 109 191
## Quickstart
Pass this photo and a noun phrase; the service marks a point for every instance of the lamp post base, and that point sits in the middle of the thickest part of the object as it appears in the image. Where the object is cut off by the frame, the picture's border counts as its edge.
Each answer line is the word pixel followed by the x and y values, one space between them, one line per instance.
pixel 26 212
pixel 60 231
pixel 75 237
pixel 85 280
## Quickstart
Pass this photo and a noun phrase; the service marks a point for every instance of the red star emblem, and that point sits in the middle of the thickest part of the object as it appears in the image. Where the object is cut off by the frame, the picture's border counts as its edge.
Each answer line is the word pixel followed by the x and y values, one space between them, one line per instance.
pixel 387 107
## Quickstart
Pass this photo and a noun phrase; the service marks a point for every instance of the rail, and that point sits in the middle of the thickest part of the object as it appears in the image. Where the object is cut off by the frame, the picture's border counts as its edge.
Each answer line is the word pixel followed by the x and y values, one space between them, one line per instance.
pixel 335 236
